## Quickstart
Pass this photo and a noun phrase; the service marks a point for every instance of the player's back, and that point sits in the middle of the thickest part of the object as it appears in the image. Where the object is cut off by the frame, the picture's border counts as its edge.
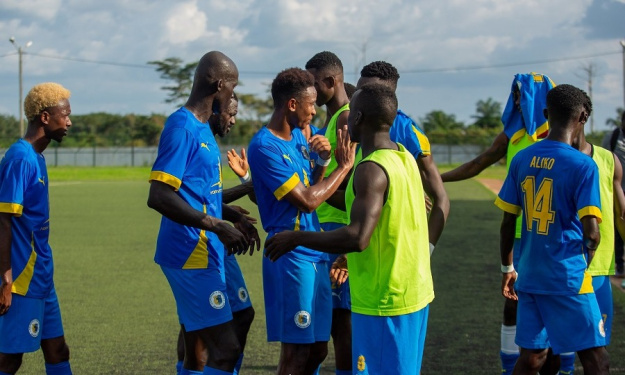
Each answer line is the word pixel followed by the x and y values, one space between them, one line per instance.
pixel 556 185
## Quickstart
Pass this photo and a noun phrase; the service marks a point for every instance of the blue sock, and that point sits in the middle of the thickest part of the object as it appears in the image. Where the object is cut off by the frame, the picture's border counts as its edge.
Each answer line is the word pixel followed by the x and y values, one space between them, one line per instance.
pixel 4 373
pixel 317 370
pixel 237 367
pixel 507 362
pixel 567 363
pixel 343 372
pixel 179 367
pixel 62 368
pixel 185 371
pixel 214 371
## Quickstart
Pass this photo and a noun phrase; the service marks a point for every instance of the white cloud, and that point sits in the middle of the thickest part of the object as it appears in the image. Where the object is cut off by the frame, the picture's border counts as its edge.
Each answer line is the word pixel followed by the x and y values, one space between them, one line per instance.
pixel 44 9
pixel 186 23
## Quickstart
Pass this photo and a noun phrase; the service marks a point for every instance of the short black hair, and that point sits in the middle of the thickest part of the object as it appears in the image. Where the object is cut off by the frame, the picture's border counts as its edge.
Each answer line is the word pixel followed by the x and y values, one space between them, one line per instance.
pixel 290 83
pixel 378 103
pixel 382 70
pixel 564 102
pixel 349 89
pixel 325 60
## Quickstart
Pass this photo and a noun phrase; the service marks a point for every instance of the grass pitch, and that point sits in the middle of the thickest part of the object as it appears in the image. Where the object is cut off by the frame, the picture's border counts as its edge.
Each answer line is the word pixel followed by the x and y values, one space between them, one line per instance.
pixel 120 316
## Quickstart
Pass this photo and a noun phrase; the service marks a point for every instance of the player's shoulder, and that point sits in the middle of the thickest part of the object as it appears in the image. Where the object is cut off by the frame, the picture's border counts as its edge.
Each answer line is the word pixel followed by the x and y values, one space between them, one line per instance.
pixel 18 151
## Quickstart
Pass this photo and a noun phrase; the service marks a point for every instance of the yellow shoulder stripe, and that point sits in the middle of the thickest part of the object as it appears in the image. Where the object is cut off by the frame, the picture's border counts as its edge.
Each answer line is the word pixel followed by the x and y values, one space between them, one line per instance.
pixel 508 207
pixel 286 188
pixel 166 178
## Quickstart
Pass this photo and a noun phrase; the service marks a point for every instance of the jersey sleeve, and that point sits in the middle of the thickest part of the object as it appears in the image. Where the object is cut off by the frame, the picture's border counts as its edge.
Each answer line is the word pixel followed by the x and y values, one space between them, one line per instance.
pixel 508 198
pixel 417 142
pixel 274 169
pixel 587 197
pixel 173 153
pixel 14 179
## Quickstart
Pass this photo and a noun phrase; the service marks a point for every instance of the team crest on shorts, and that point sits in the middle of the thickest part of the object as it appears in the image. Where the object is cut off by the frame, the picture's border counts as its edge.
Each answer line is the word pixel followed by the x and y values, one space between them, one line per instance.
pixel 601 328
pixel 243 296
pixel 302 319
pixel 217 300
pixel 33 328
pixel 361 364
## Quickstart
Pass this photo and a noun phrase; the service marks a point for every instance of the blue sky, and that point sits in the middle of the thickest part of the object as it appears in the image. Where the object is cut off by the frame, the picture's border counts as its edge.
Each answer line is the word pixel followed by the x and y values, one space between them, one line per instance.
pixel 425 40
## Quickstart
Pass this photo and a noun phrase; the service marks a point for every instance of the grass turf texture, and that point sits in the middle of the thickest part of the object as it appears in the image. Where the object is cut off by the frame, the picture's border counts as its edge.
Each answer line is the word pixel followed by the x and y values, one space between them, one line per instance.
pixel 120 316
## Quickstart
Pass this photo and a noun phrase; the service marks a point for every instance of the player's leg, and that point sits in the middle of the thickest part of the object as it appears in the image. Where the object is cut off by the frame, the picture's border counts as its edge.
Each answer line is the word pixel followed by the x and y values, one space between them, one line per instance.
pixel 595 360
pixel 180 350
pixel 509 350
pixel 531 335
pixel 205 314
pixel 53 345
pixel 20 331
pixel 242 311
pixel 574 324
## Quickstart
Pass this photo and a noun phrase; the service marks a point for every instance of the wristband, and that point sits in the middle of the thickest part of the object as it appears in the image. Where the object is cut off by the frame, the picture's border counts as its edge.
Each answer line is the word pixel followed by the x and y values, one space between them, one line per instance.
pixel 323 163
pixel 431 248
pixel 245 178
pixel 507 269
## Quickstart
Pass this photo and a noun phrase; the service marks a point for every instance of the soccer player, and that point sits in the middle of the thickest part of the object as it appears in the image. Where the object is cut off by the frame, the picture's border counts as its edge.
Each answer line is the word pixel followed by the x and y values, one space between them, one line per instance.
pixel 386 242
pixel 29 309
pixel 405 131
pixel 604 263
pixel 238 297
pixel 297 291
pixel 186 188
pixel 556 188
pixel 327 69
pixel 524 124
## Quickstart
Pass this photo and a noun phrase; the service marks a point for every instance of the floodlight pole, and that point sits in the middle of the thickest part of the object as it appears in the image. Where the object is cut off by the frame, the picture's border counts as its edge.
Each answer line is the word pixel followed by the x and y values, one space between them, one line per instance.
pixel 20 52
pixel 623 45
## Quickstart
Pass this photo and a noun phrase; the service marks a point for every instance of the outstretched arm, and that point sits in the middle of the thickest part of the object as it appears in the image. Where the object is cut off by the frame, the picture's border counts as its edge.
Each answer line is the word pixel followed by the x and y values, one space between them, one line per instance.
pixel 164 199
pixel 6 273
pixel 232 194
pixel 433 186
pixel 619 198
pixel 370 184
pixel 472 168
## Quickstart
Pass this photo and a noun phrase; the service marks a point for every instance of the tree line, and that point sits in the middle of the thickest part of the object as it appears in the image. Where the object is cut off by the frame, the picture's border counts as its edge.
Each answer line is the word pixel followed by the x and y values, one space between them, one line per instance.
pixel 103 129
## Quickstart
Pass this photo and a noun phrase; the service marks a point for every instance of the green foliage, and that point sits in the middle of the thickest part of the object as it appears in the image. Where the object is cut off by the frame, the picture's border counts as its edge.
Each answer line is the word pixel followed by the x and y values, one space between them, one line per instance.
pixel 487 114
pixel 173 69
pixel 616 121
pixel 9 130
pixel 438 120
pixel 105 129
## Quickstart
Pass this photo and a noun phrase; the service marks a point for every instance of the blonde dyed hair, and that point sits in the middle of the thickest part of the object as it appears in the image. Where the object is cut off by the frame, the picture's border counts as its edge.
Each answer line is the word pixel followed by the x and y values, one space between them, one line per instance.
pixel 42 96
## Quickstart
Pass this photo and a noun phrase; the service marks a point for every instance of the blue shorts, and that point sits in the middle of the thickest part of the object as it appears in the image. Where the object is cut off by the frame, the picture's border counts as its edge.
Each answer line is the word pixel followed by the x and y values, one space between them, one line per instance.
pixel 28 321
pixel 298 307
pixel 236 289
pixel 341 298
pixel 201 297
pixel 389 344
pixel 564 323
pixel 603 292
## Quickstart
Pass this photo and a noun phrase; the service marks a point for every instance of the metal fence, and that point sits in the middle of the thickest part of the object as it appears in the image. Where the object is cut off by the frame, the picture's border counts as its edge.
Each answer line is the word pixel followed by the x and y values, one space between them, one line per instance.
pixel 145 156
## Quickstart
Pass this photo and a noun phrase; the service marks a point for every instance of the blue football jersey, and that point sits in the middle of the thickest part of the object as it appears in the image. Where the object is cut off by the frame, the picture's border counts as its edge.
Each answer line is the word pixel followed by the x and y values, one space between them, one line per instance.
pixel 189 160
pixel 554 185
pixel 405 131
pixel 277 167
pixel 24 194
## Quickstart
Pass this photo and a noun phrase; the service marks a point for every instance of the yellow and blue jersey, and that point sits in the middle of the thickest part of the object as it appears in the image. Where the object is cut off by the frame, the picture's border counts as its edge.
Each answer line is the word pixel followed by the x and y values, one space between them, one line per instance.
pixel 405 131
pixel 554 186
pixel 277 167
pixel 24 194
pixel 189 160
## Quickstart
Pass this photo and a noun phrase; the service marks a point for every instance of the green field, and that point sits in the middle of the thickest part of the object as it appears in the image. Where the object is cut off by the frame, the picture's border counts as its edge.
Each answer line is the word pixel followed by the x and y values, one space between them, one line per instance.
pixel 120 316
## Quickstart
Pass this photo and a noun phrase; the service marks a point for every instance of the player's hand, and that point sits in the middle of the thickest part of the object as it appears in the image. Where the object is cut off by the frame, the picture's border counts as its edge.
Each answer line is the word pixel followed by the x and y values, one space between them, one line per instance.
pixel 338 271
pixel 280 244
pixel 345 152
pixel 5 291
pixel 244 212
pixel 238 164
pixel 234 241
pixel 249 231
pixel 320 146
pixel 507 285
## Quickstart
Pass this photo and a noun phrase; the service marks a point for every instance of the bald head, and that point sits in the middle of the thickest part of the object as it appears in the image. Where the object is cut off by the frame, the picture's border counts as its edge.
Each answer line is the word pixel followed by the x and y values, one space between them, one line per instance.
pixel 215 66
